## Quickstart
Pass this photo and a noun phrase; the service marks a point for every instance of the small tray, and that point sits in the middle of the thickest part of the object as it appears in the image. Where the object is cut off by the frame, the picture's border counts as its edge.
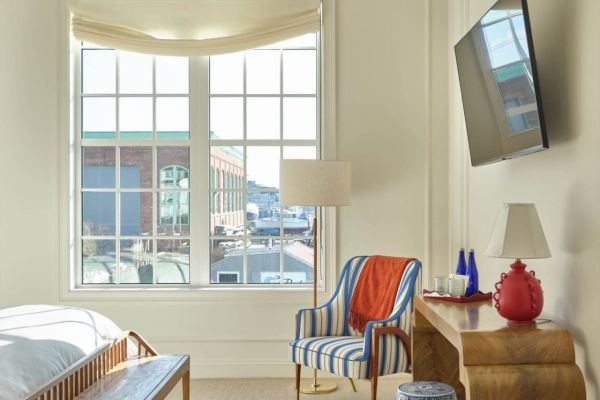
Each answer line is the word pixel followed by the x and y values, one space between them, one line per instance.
pixel 479 296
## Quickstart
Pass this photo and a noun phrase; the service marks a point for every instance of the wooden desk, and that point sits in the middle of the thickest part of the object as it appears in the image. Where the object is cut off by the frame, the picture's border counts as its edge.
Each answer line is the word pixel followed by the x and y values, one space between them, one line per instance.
pixel 470 347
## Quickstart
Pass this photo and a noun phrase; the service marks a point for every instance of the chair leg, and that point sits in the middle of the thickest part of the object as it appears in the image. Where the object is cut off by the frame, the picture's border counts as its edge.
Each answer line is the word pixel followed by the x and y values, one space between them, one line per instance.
pixel 374 387
pixel 298 367
pixel 374 364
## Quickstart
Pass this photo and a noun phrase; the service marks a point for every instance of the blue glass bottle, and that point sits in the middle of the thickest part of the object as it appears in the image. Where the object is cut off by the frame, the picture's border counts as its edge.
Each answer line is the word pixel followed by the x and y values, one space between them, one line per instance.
pixel 473 286
pixel 461 267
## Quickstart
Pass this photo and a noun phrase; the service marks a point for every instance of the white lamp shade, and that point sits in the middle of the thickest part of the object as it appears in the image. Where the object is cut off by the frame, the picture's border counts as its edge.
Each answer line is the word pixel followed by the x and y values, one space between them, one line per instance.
pixel 517 233
pixel 316 183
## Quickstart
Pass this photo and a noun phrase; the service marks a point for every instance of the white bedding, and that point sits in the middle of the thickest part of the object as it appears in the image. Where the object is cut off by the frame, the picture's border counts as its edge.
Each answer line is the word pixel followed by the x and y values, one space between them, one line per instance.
pixel 38 342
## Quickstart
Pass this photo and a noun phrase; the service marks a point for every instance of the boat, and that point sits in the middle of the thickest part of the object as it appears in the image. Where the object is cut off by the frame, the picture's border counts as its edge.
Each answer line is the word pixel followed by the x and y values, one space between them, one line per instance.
pixel 252 212
pixel 294 222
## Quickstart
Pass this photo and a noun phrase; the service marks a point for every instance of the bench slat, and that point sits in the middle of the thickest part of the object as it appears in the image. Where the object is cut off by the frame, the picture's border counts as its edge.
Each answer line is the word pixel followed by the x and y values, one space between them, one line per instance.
pixel 139 379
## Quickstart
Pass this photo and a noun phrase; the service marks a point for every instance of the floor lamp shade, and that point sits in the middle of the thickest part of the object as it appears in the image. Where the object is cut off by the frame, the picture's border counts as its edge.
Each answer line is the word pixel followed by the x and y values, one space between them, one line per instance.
pixel 317 183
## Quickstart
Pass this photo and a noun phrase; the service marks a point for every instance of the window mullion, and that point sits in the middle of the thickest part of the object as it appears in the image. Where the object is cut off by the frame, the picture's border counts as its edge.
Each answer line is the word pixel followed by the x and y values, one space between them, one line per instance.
pixel 77 86
pixel 199 164
pixel 117 175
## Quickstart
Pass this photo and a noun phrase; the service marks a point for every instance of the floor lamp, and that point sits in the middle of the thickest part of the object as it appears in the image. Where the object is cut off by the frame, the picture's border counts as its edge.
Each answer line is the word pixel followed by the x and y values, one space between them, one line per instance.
pixel 315 183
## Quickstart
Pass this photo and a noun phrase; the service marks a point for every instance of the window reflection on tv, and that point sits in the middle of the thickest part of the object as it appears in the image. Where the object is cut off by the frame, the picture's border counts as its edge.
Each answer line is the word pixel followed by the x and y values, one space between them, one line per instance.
pixel 499 85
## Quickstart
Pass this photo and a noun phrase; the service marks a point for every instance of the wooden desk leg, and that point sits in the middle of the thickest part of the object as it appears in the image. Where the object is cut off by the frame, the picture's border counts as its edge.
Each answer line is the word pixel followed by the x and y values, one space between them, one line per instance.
pixel 185 380
pixel 434 357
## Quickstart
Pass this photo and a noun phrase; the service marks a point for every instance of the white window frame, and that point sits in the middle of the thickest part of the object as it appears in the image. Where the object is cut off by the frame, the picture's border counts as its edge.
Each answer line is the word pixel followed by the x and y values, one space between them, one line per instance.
pixel 69 133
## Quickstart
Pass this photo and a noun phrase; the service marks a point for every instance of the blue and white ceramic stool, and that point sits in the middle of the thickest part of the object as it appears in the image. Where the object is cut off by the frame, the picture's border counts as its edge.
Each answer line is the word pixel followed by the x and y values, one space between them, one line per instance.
pixel 425 390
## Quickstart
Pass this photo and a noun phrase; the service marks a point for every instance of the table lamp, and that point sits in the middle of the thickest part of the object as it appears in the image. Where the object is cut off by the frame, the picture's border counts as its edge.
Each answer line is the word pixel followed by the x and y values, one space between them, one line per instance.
pixel 315 183
pixel 518 234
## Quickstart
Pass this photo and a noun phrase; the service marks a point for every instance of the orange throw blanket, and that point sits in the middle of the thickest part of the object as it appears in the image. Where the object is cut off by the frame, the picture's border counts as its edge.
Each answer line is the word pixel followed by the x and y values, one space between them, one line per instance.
pixel 376 290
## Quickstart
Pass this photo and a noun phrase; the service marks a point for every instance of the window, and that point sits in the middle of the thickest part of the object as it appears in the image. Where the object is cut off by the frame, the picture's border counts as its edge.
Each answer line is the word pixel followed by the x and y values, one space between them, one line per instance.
pixel 134 153
pixel 228 277
pixel 506 44
pixel 263 107
pixel 136 203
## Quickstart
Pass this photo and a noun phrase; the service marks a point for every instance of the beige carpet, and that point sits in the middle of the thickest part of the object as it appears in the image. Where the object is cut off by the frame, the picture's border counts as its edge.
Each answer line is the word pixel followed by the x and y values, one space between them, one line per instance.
pixel 282 389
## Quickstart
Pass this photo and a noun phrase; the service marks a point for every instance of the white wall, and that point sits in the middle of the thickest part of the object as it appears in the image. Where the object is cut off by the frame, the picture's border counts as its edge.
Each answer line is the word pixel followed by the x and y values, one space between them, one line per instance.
pixel 563 182
pixel 381 125
pixel 382 118
pixel 28 151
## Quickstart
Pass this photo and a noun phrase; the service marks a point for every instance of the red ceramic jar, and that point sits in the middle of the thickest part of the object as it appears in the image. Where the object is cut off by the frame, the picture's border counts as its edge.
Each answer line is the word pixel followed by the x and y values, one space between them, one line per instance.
pixel 519 297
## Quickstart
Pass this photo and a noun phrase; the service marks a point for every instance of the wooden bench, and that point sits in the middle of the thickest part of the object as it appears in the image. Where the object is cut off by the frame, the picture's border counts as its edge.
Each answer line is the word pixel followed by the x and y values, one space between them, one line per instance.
pixel 140 378
pixel 111 372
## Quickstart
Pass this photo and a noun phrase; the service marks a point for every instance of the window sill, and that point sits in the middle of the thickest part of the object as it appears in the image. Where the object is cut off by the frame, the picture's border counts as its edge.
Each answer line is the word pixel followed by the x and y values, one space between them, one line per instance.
pixel 291 295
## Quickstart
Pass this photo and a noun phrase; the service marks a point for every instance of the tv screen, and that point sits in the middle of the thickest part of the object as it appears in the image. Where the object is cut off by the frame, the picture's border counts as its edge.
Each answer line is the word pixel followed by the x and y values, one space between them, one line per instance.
pixel 499 85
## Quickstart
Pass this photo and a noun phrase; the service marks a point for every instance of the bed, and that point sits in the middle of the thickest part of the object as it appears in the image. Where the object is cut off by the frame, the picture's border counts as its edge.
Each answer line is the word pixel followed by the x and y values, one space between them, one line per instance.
pixel 56 352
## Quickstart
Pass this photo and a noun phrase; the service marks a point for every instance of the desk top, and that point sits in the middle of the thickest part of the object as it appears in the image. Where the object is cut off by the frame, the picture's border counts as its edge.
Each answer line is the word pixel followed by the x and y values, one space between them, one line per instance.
pixel 474 328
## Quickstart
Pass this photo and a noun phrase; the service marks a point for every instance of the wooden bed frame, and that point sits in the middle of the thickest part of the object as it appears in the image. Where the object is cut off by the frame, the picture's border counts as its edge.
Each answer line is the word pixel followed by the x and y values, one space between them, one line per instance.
pixel 84 373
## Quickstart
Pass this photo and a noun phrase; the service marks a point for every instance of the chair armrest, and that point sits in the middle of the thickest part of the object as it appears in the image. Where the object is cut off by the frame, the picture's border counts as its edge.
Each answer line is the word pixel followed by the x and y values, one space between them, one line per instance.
pixel 314 322
pixel 390 330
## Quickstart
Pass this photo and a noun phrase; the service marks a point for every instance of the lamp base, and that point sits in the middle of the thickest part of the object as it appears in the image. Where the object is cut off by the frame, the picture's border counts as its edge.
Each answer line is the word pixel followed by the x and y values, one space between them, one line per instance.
pixel 319 388
pixel 519 297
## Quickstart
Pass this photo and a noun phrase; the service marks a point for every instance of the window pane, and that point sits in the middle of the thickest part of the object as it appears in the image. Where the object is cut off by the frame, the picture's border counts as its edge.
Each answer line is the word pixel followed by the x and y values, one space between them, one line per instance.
pixel 136 214
pixel 173 167
pixel 99 261
pixel 298 261
pixel 299 118
pixel 225 158
pixel 227 260
pixel 298 221
pixel 263 118
pixel 262 71
pixel 98 214
pixel 227 216
pixel 136 167
pixel 227 74
pixel 173 261
pixel 98 167
pixel 226 118
pixel 263 261
pixel 98 118
pixel 494 15
pixel 300 71
pixel 263 166
pixel 501 44
pixel 300 152
pixel 262 213
pixel 172 118
pixel 173 213
pixel 99 71
pixel 135 73
pixel 135 117
pixel 172 75
pixel 137 261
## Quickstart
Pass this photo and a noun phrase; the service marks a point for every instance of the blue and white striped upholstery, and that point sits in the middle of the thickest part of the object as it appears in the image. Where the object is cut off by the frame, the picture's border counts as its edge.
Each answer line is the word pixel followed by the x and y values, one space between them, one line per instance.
pixel 325 340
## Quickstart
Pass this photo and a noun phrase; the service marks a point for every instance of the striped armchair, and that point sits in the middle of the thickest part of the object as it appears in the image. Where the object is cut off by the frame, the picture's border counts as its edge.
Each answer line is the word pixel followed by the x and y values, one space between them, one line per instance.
pixel 325 340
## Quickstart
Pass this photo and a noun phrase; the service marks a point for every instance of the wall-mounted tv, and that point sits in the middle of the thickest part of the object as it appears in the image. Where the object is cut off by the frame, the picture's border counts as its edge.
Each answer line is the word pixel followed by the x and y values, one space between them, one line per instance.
pixel 499 85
